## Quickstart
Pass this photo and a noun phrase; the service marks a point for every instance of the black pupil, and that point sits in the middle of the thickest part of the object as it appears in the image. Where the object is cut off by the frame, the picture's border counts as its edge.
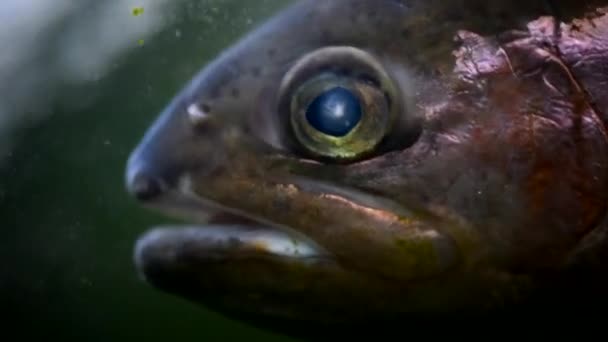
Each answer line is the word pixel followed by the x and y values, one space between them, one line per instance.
pixel 335 112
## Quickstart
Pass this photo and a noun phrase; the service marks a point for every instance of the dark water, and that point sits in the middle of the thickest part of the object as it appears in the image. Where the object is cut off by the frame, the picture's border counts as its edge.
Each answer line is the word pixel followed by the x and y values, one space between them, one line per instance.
pixel 68 226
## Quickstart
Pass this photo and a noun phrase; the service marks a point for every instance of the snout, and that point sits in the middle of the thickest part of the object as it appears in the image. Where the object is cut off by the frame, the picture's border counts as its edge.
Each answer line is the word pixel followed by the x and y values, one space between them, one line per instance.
pixel 144 181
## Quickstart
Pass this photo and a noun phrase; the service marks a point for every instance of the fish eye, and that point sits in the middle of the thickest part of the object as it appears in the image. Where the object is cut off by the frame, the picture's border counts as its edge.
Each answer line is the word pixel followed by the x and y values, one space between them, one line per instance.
pixel 338 103
pixel 334 112
pixel 338 116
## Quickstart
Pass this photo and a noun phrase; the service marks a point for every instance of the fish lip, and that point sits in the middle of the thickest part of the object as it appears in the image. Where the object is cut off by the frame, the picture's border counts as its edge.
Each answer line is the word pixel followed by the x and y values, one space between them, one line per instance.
pixel 199 217
pixel 171 245
pixel 196 212
pixel 182 203
pixel 188 207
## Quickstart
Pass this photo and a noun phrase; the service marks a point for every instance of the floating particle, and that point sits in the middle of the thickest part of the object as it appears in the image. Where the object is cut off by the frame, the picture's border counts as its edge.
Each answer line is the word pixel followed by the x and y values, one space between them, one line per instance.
pixel 137 11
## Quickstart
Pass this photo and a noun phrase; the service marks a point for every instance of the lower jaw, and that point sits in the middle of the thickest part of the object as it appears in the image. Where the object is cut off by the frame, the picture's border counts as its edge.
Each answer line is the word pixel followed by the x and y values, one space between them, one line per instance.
pixel 229 240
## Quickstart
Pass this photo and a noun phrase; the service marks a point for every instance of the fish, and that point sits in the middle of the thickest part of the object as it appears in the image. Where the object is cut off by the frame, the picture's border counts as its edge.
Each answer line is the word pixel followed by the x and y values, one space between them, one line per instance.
pixel 353 162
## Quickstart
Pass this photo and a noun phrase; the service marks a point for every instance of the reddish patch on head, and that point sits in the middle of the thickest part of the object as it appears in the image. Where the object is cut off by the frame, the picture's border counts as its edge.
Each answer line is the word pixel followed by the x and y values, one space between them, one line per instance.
pixel 535 126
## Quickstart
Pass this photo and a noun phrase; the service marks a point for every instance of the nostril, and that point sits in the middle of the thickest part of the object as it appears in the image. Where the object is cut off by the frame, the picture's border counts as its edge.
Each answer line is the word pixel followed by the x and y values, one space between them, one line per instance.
pixel 145 188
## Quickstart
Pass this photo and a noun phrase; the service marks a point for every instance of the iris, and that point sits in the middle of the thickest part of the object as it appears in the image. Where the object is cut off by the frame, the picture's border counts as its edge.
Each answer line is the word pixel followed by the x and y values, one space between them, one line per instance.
pixel 335 112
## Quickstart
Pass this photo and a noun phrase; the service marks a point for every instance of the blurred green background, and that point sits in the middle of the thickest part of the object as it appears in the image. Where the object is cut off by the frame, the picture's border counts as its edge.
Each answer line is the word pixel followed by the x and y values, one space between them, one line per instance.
pixel 68 224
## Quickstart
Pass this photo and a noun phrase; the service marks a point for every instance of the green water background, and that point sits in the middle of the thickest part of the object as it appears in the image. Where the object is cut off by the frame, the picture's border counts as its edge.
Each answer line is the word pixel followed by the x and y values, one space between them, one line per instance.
pixel 68 226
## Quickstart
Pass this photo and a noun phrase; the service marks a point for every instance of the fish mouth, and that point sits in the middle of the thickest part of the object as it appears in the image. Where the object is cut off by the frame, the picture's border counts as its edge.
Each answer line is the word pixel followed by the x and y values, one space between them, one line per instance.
pixel 213 233
pixel 235 262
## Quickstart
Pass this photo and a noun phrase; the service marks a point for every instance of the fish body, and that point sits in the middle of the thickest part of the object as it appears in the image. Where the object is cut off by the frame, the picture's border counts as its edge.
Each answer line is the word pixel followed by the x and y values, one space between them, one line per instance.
pixel 369 160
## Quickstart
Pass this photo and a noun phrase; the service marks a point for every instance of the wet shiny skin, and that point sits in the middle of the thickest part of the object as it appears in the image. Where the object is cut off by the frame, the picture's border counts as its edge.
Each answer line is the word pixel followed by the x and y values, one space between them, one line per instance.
pixel 491 177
